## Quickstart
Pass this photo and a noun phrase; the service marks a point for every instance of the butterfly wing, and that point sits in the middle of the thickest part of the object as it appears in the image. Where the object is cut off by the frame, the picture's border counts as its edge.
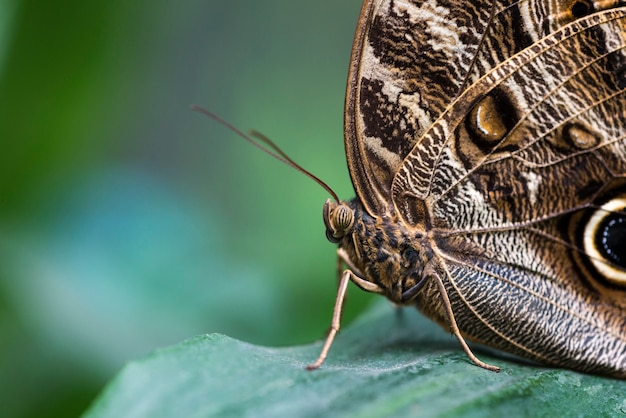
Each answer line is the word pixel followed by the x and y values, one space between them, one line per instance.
pixel 509 179
pixel 404 72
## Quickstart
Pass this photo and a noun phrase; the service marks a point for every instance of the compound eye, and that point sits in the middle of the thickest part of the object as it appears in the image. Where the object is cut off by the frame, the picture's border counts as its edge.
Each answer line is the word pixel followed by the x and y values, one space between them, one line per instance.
pixel 338 218
pixel 343 218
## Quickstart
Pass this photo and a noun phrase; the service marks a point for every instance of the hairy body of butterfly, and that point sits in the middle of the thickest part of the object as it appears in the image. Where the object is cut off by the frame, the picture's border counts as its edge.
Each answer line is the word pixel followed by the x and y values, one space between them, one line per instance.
pixel 486 141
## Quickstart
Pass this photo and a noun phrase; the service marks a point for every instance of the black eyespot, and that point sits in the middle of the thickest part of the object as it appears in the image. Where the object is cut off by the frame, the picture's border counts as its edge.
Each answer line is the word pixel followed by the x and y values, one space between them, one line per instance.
pixel 603 238
pixel 611 238
pixel 581 9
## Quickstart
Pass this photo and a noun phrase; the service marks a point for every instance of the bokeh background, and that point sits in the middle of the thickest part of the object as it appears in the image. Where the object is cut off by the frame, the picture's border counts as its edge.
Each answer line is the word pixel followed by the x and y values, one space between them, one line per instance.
pixel 129 222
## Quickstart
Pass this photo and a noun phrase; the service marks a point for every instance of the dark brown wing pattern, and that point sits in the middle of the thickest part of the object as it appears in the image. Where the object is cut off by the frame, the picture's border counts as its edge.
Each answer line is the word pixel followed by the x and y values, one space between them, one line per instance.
pixel 493 135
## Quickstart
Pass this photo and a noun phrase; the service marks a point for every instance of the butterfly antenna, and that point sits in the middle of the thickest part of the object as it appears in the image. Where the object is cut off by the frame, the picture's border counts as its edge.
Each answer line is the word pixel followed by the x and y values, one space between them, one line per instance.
pixel 269 147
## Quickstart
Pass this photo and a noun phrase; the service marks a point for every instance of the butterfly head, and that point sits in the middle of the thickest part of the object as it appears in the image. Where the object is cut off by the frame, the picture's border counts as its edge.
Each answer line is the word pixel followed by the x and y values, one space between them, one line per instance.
pixel 378 251
pixel 339 220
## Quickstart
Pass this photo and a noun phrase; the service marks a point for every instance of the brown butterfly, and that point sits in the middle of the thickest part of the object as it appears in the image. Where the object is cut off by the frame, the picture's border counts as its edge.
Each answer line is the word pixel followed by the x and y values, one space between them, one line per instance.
pixel 486 141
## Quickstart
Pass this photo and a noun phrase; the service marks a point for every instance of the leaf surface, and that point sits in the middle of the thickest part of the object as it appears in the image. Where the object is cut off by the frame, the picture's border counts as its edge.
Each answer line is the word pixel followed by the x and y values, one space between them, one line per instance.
pixel 388 363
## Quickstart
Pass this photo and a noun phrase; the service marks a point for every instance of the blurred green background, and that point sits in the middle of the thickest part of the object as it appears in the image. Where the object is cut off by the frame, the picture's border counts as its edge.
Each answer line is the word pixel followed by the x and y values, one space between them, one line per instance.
pixel 129 222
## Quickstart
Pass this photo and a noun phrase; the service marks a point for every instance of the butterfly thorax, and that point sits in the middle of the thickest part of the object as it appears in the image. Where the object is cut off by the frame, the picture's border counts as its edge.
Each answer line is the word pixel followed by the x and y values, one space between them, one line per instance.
pixel 388 257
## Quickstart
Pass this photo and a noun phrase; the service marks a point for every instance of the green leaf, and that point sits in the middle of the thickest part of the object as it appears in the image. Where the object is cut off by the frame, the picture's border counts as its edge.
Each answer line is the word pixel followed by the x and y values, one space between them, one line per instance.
pixel 386 364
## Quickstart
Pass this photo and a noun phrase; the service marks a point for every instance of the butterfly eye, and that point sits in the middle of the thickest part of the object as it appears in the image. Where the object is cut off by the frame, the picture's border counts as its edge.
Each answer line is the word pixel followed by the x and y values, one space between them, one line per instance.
pixel 338 219
pixel 343 218
pixel 604 240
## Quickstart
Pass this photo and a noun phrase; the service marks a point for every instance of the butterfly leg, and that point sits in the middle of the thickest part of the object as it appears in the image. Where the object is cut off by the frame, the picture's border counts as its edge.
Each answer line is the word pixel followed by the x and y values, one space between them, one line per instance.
pixel 334 327
pixel 350 274
pixel 455 329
